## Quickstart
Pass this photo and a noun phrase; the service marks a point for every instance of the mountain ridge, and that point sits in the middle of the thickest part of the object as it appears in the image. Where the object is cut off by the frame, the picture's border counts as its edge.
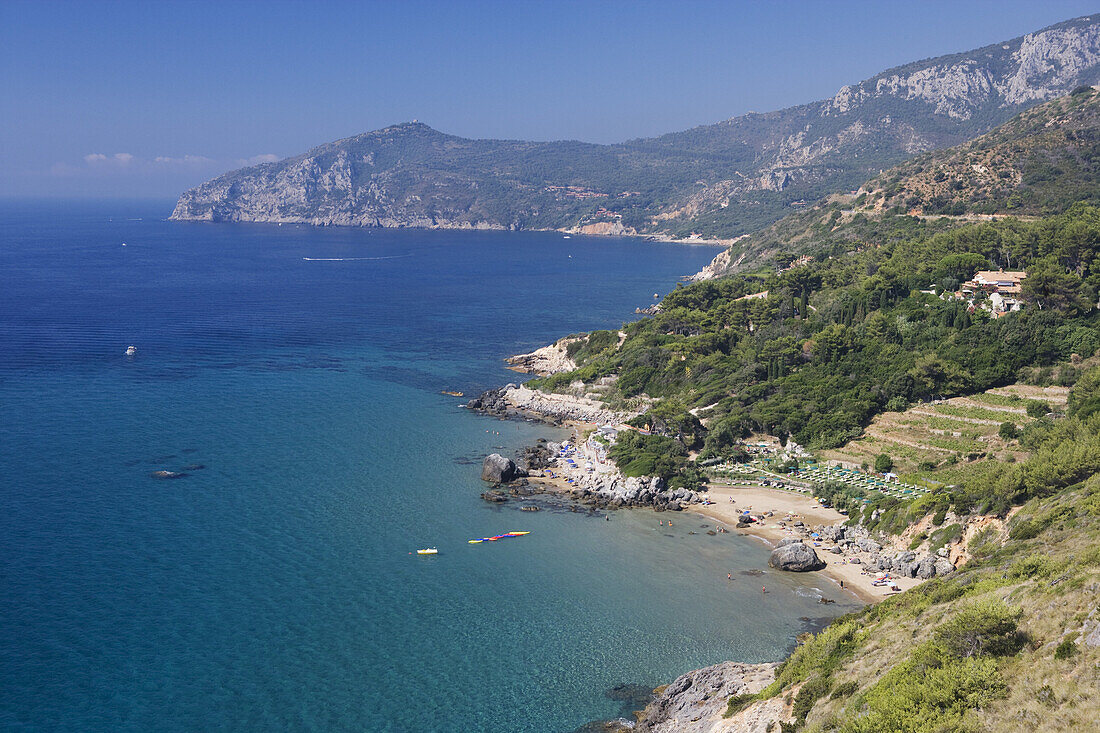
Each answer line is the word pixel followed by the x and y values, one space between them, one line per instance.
pixel 717 180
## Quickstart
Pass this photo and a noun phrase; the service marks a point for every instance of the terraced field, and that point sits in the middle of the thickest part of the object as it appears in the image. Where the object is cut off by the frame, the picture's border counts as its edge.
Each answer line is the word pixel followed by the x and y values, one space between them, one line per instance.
pixel 963 427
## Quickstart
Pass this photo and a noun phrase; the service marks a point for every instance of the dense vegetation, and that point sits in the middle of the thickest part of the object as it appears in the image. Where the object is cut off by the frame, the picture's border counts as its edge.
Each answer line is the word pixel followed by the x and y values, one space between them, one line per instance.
pixel 841 339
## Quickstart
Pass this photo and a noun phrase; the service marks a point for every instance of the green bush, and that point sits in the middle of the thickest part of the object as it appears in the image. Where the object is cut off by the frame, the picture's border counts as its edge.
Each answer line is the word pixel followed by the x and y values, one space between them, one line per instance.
pixel 987 628
pixel 737 703
pixel 813 690
pixel 1008 430
pixel 883 463
pixel 1036 408
pixel 844 689
pixel 928 693
pixel 1066 649
pixel 944 536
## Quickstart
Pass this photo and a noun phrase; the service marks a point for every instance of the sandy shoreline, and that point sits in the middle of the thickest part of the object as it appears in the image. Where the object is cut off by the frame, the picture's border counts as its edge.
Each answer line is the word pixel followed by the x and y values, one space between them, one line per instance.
pixel 852 576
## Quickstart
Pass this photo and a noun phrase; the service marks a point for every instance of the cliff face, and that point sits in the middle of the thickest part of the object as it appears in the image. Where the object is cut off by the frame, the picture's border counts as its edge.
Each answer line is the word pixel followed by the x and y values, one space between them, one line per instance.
pixel 718 180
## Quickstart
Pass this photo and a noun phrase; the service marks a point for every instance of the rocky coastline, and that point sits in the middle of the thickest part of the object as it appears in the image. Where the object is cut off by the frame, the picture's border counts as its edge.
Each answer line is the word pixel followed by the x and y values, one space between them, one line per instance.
pixel 593 482
pixel 517 402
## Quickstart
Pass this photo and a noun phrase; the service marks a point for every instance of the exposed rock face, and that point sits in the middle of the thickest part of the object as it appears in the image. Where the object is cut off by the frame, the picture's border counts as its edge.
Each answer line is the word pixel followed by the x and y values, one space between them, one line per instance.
pixel 498 469
pixel 795 557
pixel 409 175
pixel 514 401
pixel 546 360
pixel 695 702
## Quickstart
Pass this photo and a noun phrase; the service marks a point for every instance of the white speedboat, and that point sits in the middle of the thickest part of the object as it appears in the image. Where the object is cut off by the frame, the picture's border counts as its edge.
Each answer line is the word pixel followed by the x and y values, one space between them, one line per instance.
pixel 131 350
pixel 428 551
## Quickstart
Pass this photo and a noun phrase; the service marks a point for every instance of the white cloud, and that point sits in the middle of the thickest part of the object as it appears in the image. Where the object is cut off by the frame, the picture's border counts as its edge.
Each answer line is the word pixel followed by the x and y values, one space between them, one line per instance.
pixel 185 160
pixel 101 159
pixel 257 159
pixel 100 165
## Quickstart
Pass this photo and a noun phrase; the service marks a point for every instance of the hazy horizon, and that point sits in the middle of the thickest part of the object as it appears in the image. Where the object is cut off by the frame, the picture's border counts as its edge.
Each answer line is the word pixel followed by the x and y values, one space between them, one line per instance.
pixel 139 100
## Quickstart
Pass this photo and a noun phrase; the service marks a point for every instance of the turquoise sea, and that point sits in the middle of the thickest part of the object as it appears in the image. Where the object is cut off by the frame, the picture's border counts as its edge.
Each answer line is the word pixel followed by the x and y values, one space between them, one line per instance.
pixel 273 587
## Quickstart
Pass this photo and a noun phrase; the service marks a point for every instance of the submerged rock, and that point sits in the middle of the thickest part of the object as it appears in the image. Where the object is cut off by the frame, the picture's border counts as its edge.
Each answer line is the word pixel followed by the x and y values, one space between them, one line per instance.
pixel 168 474
pixel 795 557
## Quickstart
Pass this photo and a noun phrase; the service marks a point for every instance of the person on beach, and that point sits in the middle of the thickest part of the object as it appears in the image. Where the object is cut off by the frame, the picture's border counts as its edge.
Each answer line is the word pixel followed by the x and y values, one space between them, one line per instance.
pixel 729 576
pixel 764 589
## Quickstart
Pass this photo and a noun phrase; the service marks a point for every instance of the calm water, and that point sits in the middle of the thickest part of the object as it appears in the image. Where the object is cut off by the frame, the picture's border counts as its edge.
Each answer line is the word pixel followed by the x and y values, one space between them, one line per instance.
pixel 273 589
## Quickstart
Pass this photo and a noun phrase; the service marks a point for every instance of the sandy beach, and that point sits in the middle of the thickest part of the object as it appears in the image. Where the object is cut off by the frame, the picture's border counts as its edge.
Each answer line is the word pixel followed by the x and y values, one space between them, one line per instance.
pixel 802 508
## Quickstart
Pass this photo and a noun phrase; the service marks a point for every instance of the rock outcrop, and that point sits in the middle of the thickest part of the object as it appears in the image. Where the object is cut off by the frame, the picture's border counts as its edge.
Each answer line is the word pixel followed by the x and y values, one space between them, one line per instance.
pixel 695 702
pixel 517 401
pixel 497 469
pixel 546 360
pixel 795 557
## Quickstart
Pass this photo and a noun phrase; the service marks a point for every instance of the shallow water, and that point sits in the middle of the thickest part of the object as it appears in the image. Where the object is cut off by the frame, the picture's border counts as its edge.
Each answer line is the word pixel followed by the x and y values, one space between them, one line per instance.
pixel 273 588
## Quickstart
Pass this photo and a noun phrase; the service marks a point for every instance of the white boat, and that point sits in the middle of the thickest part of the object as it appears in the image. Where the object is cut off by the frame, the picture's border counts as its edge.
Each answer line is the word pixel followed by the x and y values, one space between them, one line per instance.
pixel 131 350
pixel 428 551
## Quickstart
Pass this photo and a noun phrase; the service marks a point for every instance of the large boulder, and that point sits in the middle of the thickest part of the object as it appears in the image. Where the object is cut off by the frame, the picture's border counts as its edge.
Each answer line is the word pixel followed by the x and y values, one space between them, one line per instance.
pixel 497 469
pixel 868 545
pixel 926 568
pixel 905 569
pixel 795 557
pixel 944 566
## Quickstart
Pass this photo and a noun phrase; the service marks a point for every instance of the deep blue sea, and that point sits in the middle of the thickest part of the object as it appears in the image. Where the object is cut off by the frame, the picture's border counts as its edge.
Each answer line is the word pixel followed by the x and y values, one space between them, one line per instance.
pixel 273 589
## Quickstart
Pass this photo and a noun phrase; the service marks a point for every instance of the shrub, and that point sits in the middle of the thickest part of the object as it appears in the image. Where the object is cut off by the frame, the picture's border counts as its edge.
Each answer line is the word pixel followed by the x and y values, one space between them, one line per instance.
pixel 986 628
pixel 897 404
pixel 1029 567
pixel 812 691
pixel 1066 649
pixel 737 703
pixel 1008 430
pixel 927 692
pixel 1026 529
pixel 844 689
pixel 883 463
pixel 944 536
pixel 1036 408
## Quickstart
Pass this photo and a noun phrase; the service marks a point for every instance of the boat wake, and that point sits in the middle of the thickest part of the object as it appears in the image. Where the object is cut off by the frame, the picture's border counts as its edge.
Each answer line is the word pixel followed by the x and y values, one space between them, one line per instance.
pixel 353 259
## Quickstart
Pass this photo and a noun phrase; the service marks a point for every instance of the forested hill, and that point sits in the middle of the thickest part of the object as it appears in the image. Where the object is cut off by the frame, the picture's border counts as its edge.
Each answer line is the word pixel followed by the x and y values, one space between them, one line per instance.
pixel 718 180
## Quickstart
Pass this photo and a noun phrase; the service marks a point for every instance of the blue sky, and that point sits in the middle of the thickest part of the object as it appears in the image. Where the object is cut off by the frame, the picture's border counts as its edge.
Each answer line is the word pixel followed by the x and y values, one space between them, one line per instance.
pixel 148 98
